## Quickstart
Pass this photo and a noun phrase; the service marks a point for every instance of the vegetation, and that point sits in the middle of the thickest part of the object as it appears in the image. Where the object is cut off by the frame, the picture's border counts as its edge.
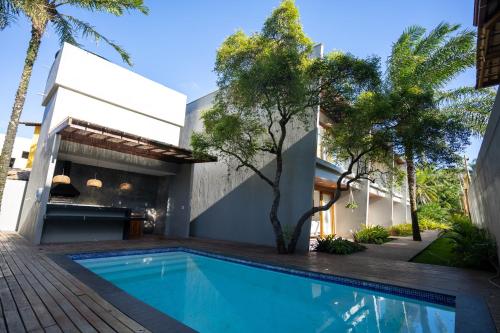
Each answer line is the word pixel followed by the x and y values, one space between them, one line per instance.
pixel 374 234
pixel 41 13
pixel 439 252
pixel 463 245
pixel 432 124
pixel 430 224
pixel 404 229
pixel 474 246
pixel 268 84
pixel 330 244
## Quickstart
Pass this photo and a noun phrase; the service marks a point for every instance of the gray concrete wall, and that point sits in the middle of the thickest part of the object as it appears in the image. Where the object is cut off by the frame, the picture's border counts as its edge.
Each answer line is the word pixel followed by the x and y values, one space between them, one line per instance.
pixel 179 202
pixel 484 193
pixel 234 205
pixel 380 211
pixel 349 220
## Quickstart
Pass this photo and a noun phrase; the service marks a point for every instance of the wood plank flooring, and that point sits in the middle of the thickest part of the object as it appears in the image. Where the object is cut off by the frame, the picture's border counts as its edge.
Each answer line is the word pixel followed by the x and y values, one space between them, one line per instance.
pixel 36 295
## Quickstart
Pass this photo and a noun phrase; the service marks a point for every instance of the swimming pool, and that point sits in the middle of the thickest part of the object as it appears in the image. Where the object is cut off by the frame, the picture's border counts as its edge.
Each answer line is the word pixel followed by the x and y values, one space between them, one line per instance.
pixel 210 293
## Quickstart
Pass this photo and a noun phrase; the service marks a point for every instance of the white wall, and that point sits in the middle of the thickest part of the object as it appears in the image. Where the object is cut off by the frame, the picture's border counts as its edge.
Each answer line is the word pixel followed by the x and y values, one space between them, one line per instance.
pixel 71 104
pixel 11 204
pixel 93 89
pixel 20 145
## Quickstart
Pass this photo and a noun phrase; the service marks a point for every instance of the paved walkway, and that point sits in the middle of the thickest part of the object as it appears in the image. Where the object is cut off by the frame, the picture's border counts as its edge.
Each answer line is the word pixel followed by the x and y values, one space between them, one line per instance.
pixel 400 248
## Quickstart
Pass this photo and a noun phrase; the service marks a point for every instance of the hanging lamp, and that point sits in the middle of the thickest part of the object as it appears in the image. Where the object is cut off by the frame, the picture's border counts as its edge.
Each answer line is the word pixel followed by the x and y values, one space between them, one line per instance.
pixel 61 179
pixel 94 182
pixel 125 186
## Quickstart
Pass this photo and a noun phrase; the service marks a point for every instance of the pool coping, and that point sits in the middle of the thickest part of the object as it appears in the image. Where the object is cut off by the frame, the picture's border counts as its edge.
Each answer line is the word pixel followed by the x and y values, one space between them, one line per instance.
pixel 471 312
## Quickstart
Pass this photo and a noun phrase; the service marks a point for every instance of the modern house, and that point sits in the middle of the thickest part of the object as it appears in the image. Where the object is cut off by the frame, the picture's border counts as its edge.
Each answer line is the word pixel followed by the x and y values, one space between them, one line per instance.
pixel 113 150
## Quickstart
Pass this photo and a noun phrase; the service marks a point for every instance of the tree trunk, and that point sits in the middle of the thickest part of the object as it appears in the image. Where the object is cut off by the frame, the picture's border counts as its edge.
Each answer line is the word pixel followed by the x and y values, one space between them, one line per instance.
pixel 10 136
pixel 412 192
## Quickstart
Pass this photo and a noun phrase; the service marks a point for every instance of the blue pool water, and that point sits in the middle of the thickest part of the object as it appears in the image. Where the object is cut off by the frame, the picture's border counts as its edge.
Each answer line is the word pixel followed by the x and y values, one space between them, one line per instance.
pixel 213 295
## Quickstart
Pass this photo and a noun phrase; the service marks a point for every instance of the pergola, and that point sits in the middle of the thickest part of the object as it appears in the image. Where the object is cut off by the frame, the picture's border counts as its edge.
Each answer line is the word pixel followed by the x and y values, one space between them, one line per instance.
pixel 83 132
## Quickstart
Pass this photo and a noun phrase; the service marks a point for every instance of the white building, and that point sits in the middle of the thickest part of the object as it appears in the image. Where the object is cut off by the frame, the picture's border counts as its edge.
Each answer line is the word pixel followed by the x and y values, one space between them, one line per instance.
pixel 20 153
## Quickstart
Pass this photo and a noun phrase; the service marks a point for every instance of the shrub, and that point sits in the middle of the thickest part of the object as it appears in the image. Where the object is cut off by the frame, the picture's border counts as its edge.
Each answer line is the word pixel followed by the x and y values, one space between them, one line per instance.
pixel 330 244
pixel 372 234
pixel 430 224
pixel 433 211
pixel 474 246
pixel 401 230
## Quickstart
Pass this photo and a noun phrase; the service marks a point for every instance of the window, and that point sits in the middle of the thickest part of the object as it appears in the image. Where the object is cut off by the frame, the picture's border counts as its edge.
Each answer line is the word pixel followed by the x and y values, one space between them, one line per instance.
pixel 12 161
pixel 25 154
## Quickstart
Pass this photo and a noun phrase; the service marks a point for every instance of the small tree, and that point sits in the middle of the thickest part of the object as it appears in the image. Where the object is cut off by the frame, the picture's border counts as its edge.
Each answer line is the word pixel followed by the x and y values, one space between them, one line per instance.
pixel 267 81
pixel 41 13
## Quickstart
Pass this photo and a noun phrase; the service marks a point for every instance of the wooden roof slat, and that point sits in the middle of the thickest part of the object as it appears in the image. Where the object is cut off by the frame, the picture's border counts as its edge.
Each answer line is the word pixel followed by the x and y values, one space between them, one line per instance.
pixel 86 133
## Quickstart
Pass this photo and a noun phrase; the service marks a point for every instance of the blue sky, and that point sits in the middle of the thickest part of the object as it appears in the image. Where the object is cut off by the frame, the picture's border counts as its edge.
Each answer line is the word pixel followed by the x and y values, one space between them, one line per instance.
pixel 176 43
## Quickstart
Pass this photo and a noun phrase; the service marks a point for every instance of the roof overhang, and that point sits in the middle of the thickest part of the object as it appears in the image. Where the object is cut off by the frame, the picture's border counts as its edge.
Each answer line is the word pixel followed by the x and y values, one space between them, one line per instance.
pixel 487 20
pixel 83 132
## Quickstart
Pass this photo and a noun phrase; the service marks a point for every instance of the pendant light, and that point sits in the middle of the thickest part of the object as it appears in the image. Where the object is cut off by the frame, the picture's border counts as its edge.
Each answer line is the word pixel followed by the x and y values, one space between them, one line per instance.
pixel 61 179
pixel 125 186
pixel 94 182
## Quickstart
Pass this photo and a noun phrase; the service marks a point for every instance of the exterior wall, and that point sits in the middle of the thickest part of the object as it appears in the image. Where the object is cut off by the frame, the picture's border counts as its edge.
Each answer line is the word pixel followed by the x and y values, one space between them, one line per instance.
pixel 179 203
pixel 90 88
pixel 11 204
pixel 20 145
pixel 484 191
pixel 380 211
pixel 349 220
pixel 234 205
pixel 84 72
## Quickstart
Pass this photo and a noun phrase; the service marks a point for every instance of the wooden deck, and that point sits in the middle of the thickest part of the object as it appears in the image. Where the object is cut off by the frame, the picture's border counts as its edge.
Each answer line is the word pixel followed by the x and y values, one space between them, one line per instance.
pixel 36 295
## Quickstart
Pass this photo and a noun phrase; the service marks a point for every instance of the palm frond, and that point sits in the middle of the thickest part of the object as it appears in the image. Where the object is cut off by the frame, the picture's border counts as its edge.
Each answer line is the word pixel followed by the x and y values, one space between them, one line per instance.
pixel 87 30
pixel 401 60
pixel 473 106
pixel 433 40
pixel 8 13
pixel 115 7
pixel 452 56
pixel 64 30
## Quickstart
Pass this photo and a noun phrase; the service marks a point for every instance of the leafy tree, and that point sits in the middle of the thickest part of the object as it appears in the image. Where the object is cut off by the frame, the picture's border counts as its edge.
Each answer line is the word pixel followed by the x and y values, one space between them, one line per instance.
pixel 439 185
pixel 269 81
pixel 432 124
pixel 41 13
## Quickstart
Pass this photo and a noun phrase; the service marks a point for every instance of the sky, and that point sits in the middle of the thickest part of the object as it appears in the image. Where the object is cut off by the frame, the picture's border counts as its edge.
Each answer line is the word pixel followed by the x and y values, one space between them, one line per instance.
pixel 176 43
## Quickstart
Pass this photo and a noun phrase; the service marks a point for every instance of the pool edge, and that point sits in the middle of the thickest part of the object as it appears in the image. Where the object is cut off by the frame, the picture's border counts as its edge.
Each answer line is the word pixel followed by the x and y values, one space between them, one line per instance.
pixel 471 312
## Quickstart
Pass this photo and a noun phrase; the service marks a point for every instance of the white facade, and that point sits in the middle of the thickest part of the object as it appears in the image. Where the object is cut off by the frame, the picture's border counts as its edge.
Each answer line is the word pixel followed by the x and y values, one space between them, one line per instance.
pixel 85 86
pixel 20 152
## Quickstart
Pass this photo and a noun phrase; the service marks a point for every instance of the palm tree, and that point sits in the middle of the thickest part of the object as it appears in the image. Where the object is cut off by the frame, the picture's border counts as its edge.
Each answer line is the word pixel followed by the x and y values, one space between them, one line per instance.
pixel 433 123
pixel 41 13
